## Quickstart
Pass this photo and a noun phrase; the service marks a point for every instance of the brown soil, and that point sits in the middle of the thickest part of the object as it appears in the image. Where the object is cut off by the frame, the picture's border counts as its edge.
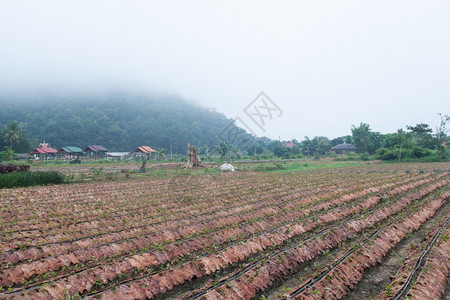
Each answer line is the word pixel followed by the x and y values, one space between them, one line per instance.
pixel 376 278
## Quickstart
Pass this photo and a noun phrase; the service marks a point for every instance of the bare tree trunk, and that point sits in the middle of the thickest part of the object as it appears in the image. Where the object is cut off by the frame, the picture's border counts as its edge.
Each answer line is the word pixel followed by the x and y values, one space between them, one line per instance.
pixel 193 159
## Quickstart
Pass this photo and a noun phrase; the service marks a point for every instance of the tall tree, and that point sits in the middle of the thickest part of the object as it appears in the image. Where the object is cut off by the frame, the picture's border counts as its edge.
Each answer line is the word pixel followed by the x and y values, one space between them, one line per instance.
pixel 441 134
pixel 423 135
pixel 222 149
pixel 364 139
pixel 12 133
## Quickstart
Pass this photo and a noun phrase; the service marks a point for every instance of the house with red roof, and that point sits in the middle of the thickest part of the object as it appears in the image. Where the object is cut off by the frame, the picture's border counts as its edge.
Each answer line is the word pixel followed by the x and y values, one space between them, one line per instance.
pixel 289 144
pixel 44 152
pixel 143 151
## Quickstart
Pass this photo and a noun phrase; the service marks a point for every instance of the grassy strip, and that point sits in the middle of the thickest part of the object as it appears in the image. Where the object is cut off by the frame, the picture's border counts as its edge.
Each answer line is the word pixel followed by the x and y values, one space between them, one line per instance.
pixel 23 179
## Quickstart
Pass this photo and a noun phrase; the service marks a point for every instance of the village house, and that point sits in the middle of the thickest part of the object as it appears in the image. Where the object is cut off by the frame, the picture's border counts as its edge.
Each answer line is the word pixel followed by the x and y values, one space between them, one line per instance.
pixel 143 151
pixel 343 149
pixel 70 152
pixel 44 152
pixel 95 151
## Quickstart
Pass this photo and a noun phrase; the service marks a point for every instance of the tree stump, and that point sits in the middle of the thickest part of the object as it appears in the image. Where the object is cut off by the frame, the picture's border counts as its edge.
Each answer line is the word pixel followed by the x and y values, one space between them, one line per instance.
pixel 193 159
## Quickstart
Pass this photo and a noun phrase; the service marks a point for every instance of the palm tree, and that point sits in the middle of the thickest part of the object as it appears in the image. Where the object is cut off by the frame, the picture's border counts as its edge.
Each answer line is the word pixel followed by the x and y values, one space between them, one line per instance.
pixel 222 149
pixel 161 153
pixel 12 133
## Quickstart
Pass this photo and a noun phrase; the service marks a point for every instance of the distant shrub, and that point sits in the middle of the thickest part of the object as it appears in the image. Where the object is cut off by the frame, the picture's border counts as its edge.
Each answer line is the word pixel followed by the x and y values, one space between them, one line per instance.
pixel 364 156
pixel 419 152
pixel 23 179
pixel 4 169
pixel 387 154
pixel 270 167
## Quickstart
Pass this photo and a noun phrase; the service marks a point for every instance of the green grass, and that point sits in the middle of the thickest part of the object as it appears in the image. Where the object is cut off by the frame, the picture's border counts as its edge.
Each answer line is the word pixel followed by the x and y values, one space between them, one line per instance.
pixel 282 167
pixel 24 179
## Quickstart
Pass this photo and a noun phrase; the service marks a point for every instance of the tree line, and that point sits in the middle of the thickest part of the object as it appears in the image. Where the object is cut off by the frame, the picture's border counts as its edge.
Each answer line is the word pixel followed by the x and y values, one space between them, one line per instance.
pixel 416 142
pixel 118 122
pixel 123 122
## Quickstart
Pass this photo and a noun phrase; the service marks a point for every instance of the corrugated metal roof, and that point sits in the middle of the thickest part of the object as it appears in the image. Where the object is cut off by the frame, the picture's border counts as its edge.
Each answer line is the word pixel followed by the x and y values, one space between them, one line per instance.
pixel 96 148
pixel 44 150
pixel 70 149
pixel 100 148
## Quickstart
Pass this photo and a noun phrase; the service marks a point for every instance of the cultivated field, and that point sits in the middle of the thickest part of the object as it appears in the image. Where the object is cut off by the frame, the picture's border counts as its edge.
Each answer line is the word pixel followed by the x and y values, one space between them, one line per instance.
pixel 373 231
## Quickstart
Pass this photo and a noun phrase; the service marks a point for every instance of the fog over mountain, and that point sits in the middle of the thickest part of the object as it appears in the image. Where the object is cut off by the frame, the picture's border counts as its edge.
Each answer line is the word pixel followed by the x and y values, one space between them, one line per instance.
pixel 325 65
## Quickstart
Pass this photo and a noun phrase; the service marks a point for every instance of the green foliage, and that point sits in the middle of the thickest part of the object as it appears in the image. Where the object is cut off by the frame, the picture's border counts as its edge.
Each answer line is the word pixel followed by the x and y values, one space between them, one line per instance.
pixel 97 172
pixel 387 154
pixel 406 153
pixel 23 179
pixel 270 167
pixel 279 149
pixel 418 152
pixel 255 150
pixel 117 121
pixel 352 157
pixel 318 146
pixel 364 139
pixel 222 149
pixel 8 154
pixel 12 133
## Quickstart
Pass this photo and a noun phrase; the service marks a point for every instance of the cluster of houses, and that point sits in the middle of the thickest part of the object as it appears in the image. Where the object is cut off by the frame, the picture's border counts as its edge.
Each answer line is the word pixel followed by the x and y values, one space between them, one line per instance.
pixel 45 152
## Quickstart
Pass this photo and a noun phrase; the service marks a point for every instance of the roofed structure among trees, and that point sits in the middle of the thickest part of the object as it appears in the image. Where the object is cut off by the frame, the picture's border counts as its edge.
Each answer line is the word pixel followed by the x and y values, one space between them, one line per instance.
pixel 343 148
pixel 70 151
pixel 44 151
pixel 143 151
pixel 96 151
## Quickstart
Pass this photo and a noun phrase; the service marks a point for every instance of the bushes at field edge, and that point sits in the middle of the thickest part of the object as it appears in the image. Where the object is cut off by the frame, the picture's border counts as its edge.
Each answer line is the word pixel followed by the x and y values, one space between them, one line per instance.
pixel 23 179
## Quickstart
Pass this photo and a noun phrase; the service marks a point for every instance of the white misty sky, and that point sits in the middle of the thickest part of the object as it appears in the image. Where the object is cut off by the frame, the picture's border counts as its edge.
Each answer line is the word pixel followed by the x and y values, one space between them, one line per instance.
pixel 326 64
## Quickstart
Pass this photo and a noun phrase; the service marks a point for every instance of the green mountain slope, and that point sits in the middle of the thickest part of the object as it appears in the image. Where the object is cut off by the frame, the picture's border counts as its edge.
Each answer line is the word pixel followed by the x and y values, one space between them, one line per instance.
pixel 118 122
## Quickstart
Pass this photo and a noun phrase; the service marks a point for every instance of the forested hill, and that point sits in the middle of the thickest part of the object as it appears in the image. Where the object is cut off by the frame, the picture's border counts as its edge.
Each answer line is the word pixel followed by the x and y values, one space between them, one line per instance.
pixel 118 122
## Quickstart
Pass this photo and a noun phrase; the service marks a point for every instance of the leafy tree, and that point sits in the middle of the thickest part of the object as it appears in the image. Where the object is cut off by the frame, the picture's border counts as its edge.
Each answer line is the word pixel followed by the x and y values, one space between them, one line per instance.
pixel 295 149
pixel 281 151
pixel 222 149
pixel 307 147
pixel 8 154
pixel 319 145
pixel 399 139
pixel 364 139
pixel 236 152
pixel 255 149
pixel 161 153
pixel 12 133
pixel 441 135
pixel 420 129
pixel 337 141
pixel 423 136
pixel 323 145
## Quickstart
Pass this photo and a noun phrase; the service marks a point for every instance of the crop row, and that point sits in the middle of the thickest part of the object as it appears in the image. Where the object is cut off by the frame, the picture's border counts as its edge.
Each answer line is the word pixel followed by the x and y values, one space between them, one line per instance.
pixel 209 264
pixel 183 230
pixel 210 228
pixel 430 260
pixel 280 264
pixel 111 223
pixel 335 281
pixel 54 263
pixel 431 283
